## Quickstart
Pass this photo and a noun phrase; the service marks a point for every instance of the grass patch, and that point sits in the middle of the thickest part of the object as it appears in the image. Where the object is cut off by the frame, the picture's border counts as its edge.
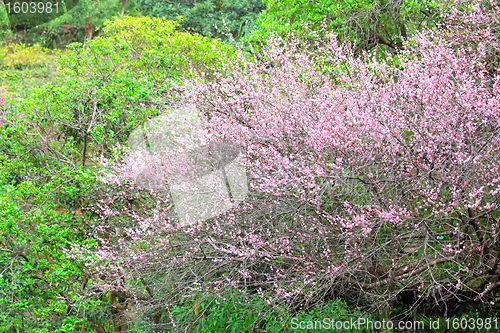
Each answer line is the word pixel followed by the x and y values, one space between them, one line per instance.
pixel 23 67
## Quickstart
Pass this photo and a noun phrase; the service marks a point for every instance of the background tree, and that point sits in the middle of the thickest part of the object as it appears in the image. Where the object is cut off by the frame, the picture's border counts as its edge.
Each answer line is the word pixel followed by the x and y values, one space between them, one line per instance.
pixel 4 17
pixel 89 15
pixel 368 23
pixel 209 18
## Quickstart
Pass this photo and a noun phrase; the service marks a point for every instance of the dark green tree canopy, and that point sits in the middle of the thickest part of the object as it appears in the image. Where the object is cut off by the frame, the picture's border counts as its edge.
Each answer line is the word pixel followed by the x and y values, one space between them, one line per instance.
pixel 25 14
pixel 207 17
pixel 369 23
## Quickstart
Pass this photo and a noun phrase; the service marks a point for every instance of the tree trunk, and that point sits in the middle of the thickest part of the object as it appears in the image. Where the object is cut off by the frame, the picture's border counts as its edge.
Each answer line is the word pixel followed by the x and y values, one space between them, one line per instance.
pixel 117 315
pixel 124 2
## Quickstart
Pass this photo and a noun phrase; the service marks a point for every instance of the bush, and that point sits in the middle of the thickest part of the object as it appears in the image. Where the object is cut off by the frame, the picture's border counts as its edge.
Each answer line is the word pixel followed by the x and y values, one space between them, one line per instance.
pixel 158 41
pixel 367 179
pixel 236 312
pixel 23 56
pixel 4 18
pixel 40 287
pixel 104 89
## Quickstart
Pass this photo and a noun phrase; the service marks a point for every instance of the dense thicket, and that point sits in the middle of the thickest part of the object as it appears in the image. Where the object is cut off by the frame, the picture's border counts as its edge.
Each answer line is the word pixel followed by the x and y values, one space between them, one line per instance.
pixel 368 179
pixel 48 145
pixel 371 176
pixel 385 24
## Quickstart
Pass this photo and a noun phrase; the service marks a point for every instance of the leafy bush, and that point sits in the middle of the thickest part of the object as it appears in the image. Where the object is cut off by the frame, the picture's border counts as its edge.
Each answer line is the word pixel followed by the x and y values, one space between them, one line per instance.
pixel 104 89
pixel 158 41
pixel 47 169
pixel 4 18
pixel 236 312
pixel 40 286
pixel 21 55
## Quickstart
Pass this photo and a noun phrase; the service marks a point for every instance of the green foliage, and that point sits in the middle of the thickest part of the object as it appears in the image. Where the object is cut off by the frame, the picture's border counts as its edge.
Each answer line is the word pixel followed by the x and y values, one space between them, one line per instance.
pixel 106 89
pixel 169 52
pixel 4 17
pixel 81 19
pixel 210 18
pixel 368 23
pixel 30 15
pixel 90 12
pixel 87 14
pixel 23 67
pixel 3 52
pixel 21 81
pixel 237 312
pixel 22 55
pixel 40 284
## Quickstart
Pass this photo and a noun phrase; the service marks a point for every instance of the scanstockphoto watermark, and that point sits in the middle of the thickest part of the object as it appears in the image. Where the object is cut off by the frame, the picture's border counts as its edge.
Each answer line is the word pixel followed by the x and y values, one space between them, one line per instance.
pixel 463 324
pixel 354 324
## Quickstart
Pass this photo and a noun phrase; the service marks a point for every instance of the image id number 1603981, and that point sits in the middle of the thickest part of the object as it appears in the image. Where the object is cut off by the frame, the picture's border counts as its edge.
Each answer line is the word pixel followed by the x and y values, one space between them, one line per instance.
pixel 32 7
pixel 472 323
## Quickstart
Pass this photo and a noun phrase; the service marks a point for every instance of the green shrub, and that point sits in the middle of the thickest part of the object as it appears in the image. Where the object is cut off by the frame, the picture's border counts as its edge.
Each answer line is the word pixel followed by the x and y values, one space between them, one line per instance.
pixel 40 284
pixel 156 42
pixel 22 55
pixel 4 18
pixel 235 312
pixel 101 92
pixel 105 89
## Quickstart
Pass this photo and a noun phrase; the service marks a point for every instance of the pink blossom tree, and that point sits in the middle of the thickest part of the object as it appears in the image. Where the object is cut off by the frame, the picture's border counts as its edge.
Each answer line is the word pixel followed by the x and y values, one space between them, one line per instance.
pixel 368 179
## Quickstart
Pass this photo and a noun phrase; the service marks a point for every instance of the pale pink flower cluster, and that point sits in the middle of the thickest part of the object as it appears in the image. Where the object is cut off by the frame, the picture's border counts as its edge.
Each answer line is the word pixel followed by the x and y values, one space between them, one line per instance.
pixel 362 172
